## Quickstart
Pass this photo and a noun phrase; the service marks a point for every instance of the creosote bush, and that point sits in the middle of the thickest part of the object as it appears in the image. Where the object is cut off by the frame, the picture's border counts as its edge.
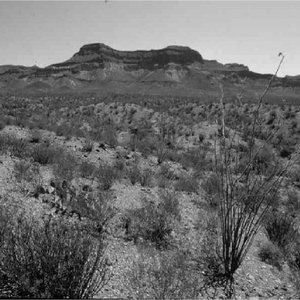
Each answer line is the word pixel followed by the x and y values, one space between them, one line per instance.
pixel 44 154
pixel 279 228
pixel 52 259
pixel 270 254
pixel 87 169
pixel 153 222
pixel 187 183
pixel 106 176
pixel 211 186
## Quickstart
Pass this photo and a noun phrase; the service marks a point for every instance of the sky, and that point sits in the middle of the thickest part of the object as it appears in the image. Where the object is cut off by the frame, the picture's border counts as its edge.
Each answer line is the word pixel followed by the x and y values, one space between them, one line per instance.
pixel 247 32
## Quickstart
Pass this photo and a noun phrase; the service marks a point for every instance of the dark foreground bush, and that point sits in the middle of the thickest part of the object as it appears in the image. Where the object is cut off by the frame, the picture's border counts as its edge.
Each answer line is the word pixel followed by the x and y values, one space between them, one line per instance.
pixel 154 222
pixel 187 183
pixel 106 176
pixel 16 146
pixel 52 260
pixel 279 229
pixel 271 254
pixel 44 154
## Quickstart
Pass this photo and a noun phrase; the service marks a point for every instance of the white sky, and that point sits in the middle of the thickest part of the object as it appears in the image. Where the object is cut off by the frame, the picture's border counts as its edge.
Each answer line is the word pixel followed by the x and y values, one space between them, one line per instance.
pixel 247 32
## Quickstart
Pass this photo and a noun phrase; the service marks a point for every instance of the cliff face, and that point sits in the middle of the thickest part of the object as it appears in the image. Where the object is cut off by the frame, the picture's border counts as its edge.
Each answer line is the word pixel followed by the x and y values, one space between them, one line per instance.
pixel 99 55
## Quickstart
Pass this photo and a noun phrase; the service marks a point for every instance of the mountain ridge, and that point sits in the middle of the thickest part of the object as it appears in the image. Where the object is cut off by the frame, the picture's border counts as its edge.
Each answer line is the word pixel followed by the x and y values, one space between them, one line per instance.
pixel 171 70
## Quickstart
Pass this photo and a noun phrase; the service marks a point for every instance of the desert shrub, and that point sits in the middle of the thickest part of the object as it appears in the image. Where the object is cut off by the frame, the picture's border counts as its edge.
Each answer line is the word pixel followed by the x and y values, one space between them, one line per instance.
pixel 279 229
pixel 64 165
pixel 196 159
pixel 286 151
pixel 24 170
pixel 166 171
pixel 19 147
pixel 87 146
pixel 53 260
pixel 264 159
pixel 146 177
pixel 95 206
pixel 293 203
pixel 105 133
pixel 35 136
pixel 187 183
pixel 294 174
pixel 152 222
pixel 44 154
pixel 16 146
pixel 2 125
pixel 61 130
pixel 211 186
pixel 207 256
pixel 106 176
pixel 270 254
pixel 87 169
pixel 162 275
pixel 134 174
pixel 120 165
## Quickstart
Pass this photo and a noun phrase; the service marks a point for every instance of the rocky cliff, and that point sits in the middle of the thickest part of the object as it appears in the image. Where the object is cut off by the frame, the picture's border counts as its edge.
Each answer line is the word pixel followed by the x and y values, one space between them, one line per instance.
pixel 100 55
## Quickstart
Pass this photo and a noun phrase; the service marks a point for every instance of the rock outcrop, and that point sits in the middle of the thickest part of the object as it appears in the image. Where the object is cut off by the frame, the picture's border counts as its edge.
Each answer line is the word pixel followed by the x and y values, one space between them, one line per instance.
pixel 99 56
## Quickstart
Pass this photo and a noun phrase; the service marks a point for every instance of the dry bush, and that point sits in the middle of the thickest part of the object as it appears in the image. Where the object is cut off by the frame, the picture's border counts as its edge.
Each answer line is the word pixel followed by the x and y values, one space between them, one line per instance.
pixel 52 259
pixel 88 146
pixel 24 170
pixel 161 275
pixel 279 228
pixel 106 176
pixel 134 173
pixel 44 154
pixel 196 159
pixel 270 254
pixel 211 186
pixel 87 169
pixel 152 222
pixel 14 145
pixel 187 183
pixel 95 207
pixel 35 137
pixel 2 124
pixel 293 204
pixel 65 165
pixel 146 177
